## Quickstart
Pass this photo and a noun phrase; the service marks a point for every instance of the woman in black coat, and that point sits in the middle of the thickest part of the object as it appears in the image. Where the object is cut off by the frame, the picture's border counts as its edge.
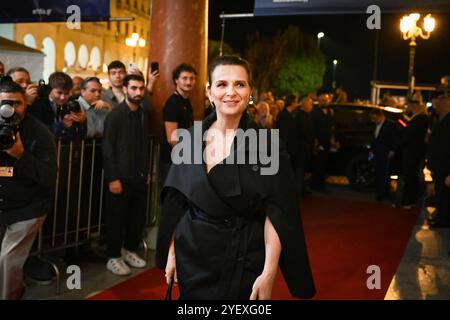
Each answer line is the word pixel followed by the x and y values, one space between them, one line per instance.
pixel 228 224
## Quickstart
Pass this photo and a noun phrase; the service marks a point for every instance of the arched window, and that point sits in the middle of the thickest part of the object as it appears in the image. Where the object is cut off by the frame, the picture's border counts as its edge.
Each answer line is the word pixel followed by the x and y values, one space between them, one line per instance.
pixel 83 56
pixel 70 54
pixel 94 60
pixel 29 41
pixel 48 47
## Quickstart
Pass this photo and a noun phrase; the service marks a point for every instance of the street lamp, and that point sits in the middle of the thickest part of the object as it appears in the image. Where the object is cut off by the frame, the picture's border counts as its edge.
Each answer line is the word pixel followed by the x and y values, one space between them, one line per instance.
pixel 134 41
pixel 320 35
pixel 333 85
pixel 410 31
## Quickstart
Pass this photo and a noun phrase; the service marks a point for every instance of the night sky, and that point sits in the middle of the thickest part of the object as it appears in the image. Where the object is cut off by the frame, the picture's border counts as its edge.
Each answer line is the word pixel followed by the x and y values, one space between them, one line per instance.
pixel 348 40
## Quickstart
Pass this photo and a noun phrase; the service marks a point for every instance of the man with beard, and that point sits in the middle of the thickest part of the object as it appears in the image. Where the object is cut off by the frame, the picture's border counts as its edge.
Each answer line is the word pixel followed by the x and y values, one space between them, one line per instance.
pixel 125 160
pixel 27 186
pixel 177 112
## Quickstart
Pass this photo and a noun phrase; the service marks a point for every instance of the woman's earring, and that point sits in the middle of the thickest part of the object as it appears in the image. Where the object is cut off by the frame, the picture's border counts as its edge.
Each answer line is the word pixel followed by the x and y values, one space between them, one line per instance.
pixel 250 100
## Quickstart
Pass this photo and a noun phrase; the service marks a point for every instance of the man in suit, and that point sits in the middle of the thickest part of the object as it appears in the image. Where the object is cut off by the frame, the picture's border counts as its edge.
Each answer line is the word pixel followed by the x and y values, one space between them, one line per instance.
pixel 439 163
pixel 383 145
pixel 323 120
pixel 305 142
pixel 412 151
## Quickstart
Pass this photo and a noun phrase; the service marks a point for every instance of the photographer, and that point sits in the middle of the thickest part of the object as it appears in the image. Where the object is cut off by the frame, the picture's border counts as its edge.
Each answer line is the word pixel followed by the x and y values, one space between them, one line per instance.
pixel 27 183
pixel 64 118
pixel 22 77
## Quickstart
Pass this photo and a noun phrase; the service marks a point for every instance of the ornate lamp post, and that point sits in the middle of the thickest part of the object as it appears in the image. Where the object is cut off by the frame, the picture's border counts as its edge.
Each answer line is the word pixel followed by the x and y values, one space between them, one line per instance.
pixel 410 31
pixel 134 41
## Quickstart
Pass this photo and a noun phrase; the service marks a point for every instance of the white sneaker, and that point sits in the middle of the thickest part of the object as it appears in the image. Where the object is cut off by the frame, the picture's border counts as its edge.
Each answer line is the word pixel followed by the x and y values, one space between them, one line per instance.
pixel 118 267
pixel 133 259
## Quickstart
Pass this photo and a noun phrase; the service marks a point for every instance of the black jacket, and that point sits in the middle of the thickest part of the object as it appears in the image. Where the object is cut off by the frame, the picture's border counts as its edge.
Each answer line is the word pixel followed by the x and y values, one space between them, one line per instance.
pixel 439 148
pixel 386 139
pixel 29 193
pixel 125 144
pixel 323 126
pixel 412 142
pixel 304 142
pixel 42 110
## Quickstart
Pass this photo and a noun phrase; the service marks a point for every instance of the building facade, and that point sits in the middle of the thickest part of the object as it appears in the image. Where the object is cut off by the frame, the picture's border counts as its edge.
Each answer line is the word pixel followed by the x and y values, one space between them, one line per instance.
pixel 87 51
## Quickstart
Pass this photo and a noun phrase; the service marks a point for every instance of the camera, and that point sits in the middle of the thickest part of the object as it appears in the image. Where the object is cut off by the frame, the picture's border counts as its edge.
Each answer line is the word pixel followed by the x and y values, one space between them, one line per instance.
pixel 43 89
pixel 9 124
pixel 70 106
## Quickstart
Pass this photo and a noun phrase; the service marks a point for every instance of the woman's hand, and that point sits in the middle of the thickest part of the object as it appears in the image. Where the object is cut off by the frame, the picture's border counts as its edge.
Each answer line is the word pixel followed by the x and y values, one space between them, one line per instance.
pixel 171 268
pixel 262 288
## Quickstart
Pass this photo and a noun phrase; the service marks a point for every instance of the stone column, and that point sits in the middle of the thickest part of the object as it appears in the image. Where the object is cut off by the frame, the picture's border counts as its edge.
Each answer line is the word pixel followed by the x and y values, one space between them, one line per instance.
pixel 178 33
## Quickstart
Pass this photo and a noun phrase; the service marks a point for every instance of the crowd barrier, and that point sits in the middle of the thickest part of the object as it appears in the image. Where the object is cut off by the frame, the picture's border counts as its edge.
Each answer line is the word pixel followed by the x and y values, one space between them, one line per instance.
pixel 78 212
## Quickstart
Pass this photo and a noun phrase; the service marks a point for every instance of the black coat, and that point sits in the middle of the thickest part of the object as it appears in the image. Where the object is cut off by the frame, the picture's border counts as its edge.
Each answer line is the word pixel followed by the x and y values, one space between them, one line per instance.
pixel 412 142
pixel 219 231
pixel 304 128
pixel 125 145
pixel 29 193
pixel 439 148
pixel 385 141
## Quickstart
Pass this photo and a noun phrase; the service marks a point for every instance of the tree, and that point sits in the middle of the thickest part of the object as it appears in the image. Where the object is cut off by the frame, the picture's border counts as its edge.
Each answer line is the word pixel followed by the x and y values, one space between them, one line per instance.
pixel 288 62
pixel 300 75
pixel 214 50
pixel 265 55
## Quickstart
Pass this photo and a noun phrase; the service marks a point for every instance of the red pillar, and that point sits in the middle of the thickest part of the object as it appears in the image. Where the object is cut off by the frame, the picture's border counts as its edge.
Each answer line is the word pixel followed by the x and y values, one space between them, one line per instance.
pixel 178 33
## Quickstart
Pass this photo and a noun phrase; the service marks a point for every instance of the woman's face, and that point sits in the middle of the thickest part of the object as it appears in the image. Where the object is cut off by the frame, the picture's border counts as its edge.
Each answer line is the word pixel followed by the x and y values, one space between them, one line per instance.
pixel 229 90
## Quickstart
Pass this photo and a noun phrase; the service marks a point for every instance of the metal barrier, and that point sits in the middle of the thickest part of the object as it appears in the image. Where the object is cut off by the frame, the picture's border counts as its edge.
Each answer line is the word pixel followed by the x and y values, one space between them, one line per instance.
pixel 78 206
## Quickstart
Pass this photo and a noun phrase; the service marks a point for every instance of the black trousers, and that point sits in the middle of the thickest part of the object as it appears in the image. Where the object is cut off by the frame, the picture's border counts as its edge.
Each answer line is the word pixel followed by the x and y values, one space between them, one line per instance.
pixel 125 218
pixel 382 178
pixel 410 175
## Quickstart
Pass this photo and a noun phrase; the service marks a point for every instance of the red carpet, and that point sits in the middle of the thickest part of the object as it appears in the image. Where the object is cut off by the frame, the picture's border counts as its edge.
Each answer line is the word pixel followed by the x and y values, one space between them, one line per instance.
pixel 344 238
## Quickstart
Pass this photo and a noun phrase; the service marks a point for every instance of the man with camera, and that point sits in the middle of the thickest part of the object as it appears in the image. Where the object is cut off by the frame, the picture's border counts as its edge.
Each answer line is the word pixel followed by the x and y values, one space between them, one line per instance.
pixel 65 118
pixel 27 184
pixel 22 77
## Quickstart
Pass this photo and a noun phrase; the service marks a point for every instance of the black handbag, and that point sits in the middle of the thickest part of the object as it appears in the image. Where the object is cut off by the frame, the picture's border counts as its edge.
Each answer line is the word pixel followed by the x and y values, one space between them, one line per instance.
pixel 169 290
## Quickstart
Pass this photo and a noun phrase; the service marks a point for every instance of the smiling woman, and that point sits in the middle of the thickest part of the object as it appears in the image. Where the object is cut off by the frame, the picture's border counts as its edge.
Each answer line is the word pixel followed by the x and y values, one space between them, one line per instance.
pixel 225 226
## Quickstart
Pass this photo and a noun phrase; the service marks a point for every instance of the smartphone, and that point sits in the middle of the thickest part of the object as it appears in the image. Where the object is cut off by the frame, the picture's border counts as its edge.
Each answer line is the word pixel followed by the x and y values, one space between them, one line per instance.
pixel 132 66
pixel 154 66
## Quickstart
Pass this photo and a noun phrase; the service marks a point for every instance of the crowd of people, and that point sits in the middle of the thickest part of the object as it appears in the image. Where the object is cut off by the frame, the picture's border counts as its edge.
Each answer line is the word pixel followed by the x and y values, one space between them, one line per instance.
pixel 223 230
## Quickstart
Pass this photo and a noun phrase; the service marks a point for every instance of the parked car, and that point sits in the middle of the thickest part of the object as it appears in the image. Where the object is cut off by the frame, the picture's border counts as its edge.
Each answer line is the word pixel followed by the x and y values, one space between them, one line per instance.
pixel 354 131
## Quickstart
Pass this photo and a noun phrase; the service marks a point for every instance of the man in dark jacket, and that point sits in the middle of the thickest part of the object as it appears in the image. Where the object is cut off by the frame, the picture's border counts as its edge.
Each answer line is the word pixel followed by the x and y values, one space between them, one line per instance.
pixel 52 110
pixel 126 164
pixel 412 151
pixel 439 163
pixel 27 185
pixel 305 142
pixel 323 136
pixel 383 146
